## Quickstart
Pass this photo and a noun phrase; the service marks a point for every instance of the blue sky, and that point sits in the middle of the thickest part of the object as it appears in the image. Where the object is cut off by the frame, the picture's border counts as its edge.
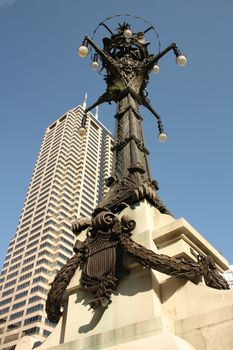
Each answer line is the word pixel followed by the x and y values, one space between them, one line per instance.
pixel 41 77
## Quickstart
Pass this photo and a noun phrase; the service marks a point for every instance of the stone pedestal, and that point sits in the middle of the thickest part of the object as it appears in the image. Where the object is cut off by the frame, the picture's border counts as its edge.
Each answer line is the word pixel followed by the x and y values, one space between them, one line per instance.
pixel 150 310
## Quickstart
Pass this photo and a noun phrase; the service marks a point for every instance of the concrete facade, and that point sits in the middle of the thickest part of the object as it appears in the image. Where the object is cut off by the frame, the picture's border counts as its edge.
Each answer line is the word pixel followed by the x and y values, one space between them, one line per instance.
pixel 150 310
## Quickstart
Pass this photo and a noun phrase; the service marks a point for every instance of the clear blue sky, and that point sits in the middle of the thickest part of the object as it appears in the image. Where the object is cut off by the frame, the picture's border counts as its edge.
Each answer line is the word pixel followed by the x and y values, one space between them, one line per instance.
pixel 41 77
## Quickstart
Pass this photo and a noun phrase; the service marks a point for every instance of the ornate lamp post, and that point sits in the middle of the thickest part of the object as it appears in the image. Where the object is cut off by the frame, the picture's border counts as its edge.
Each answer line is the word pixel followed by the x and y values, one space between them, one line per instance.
pixel 127 62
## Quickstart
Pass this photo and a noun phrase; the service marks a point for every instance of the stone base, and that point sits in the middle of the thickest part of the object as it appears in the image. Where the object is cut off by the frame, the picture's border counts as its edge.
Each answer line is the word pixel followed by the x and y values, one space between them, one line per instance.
pixel 201 315
pixel 161 341
pixel 150 310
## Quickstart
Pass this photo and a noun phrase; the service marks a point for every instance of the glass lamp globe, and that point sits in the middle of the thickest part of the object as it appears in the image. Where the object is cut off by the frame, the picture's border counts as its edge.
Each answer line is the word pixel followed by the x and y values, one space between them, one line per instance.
pixel 181 60
pixel 83 51
pixel 156 69
pixel 82 131
pixel 162 137
pixel 128 34
pixel 95 65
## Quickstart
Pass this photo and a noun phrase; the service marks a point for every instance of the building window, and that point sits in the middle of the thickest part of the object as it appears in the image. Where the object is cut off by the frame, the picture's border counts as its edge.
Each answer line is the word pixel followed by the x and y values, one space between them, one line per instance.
pixel 28 211
pixel 22 237
pixel 16 259
pixel 24 230
pixel 34 236
pixel 47 244
pixel 45 252
pixel 33 299
pixel 31 251
pixel 70 252
pixel 16 315
pixel 21 295
pixel 71 244
pixel 35 308
pixel 37 222
pixel 40 279
pixel 11 283
pixel 17 305
pixel 36 229
pixel 39 289
pixel 24 277
pixel 28 260
pixel 12 326
pixel 33 319
pixel 7 292
pixel 41 269
pixel 71 236
pixel 52 126
pixel 6 301
pixel 40 210
pixel 6 264
pixel 12 275
pixel 32 244
pixel 23 285
pixel 48 237
pixel 62 256
pixel 26 268
pixel 18 251
pixel 7 257
pixel 4 311
pixel 62 118
pixel 33 330
pixel 43 261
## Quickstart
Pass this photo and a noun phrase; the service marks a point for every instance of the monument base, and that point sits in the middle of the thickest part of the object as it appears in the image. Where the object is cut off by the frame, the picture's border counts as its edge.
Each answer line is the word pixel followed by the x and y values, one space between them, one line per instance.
pixel 149 309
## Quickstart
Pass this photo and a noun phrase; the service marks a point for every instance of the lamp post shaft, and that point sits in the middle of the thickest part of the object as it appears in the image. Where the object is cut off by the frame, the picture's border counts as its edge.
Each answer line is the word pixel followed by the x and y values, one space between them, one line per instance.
pixel 129 146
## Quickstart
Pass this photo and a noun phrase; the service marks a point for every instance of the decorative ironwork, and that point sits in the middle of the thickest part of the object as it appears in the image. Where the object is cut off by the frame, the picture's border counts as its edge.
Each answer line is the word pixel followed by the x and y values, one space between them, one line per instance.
pixel 100 258
pixel 131 189
pixel 127 62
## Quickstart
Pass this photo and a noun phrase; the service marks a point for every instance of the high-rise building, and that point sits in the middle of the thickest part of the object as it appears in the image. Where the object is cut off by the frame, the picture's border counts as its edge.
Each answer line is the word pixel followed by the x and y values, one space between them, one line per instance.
pixel 67 182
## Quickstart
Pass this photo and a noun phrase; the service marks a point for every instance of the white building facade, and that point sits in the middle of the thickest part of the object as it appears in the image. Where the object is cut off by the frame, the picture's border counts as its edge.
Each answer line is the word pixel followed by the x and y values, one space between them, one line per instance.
pixel 67 182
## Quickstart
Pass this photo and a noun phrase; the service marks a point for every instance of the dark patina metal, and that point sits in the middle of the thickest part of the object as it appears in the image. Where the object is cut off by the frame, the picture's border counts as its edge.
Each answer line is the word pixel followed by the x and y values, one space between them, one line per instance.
pixel 128 63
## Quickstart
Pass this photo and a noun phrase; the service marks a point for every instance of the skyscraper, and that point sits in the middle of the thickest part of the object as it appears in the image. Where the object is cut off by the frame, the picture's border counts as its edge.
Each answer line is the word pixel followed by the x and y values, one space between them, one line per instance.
pixel 67 182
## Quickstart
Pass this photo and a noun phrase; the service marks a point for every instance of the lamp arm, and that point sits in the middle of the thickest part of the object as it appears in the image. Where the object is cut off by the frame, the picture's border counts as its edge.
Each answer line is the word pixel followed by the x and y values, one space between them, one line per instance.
pixel 147 67
pixel 102 99
pixel 145 102
pixel 107 59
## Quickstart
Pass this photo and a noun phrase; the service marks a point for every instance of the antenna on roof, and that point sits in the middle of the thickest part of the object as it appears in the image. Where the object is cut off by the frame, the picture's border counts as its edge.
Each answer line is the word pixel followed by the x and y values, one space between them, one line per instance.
pixel 97 112
pixel 85 102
